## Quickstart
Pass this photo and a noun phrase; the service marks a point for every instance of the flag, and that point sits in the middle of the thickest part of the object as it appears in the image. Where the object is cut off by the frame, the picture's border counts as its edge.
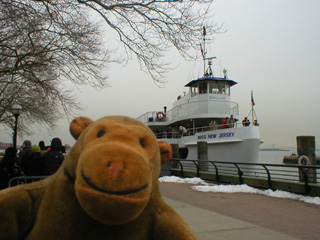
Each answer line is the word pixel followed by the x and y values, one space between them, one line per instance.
pixel 252 100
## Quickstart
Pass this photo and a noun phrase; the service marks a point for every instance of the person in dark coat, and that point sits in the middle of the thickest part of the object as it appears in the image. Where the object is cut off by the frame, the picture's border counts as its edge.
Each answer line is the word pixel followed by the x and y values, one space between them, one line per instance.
pixel 53 158
pixel 43 148
pixel 24 153
pixel 42 145
pixel 246 122
pixel 34 163
pixel 8 166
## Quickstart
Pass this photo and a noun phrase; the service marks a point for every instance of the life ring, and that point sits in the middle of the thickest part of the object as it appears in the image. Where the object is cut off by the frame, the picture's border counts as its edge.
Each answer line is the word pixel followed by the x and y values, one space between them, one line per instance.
pixel 304 160
pixel 160 115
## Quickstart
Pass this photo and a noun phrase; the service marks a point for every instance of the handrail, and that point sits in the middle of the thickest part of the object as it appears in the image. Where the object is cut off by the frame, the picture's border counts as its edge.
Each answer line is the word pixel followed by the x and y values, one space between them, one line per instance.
pixel 193 131
pixel 305 177
pixel 252 164
pixel 272 171
pixel 198 168
pixel 233 109
pixel 240 173
pixel 25 179
pixel 181 166
pixel 217 171
pixel 269 176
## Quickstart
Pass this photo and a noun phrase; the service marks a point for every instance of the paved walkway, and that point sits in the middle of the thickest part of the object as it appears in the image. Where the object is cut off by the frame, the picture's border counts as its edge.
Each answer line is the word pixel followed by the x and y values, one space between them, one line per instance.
pixel 243 216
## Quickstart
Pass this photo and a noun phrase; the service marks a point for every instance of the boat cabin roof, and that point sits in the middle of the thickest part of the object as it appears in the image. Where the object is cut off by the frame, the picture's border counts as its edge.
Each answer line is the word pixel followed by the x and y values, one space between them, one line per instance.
pixel 203 79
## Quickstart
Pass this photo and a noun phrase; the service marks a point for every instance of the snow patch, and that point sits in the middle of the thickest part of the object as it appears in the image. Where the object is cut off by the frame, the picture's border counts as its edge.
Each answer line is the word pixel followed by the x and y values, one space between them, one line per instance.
pixel 175 179
pixel 243 188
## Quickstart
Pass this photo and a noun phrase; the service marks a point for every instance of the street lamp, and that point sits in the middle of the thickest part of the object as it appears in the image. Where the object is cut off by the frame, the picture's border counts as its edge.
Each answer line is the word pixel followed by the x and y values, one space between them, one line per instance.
pixel 15 110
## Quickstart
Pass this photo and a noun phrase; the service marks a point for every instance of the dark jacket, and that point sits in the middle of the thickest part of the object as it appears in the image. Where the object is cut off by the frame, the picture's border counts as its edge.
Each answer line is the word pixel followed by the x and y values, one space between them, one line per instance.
pixel 34 165
pixel 42 146
pixel 24 153
pixel 9 162
pixel 9 167
pixel 53 158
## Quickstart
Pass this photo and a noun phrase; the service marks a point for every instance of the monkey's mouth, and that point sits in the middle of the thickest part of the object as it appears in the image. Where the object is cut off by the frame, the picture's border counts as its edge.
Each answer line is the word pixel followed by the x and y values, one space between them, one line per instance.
pixel 118 193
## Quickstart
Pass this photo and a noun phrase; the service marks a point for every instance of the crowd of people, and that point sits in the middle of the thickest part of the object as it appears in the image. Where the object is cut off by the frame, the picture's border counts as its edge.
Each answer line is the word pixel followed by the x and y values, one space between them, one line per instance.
pixel 227 122
pixel 31 160
pixel 172 132
pixel 246 122
pixel 230 123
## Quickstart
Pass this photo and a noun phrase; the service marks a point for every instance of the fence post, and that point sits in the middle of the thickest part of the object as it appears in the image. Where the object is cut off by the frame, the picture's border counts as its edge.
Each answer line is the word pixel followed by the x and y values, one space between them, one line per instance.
pixel 202 149
pixel 306 156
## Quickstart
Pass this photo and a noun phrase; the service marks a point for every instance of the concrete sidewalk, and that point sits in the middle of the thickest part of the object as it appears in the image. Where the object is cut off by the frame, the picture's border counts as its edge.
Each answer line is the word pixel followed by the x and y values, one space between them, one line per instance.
pixel 210 225
pixel 241 215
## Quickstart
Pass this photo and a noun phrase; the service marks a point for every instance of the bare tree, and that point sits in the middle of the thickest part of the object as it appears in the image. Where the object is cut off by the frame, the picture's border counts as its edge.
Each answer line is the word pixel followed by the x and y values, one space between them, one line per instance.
pixel 44 43
pixel 41 46
pixel 149 29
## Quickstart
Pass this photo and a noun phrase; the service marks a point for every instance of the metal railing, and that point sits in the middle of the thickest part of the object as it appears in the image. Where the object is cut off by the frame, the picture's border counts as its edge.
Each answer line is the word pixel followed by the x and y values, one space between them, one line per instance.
pixel 269 172
pixel 193 131
pixel 191 108
pixel 24 179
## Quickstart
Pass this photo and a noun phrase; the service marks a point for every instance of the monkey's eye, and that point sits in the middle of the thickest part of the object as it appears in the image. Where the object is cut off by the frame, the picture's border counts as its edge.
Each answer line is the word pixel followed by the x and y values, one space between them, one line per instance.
pixel 101 133
pixel 142 143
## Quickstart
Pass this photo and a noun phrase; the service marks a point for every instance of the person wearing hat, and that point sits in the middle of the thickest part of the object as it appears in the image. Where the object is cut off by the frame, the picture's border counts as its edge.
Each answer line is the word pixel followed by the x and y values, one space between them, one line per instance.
pixel 53 158
pixel 24 153
pixel 43 148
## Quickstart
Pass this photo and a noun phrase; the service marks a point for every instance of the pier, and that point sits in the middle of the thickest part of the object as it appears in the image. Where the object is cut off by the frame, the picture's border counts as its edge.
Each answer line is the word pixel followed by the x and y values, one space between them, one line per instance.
pixel 243 216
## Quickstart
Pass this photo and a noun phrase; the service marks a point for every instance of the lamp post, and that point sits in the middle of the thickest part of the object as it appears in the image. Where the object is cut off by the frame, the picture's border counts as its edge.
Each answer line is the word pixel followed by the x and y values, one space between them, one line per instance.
pixel 16 111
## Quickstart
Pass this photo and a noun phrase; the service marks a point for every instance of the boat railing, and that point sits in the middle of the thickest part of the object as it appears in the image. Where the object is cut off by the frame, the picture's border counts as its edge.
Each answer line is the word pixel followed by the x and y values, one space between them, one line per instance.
pixel 295 178
pixel 191 108
pixel 193 131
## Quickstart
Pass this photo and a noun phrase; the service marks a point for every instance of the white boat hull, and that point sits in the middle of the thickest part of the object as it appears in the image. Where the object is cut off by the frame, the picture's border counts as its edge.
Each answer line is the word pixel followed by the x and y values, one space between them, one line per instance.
pixel 228 145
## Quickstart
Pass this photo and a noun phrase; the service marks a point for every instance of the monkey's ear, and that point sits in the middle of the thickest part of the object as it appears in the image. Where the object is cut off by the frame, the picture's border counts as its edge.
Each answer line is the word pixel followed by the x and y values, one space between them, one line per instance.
pixel 165 151
pixel 78 125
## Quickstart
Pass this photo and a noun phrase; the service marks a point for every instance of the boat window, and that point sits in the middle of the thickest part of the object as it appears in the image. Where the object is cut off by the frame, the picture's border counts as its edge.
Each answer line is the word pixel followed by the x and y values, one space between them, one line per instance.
pixel 203 87
pixel 194 91
pixel 227 89
pixel 213 87
pixel 221 87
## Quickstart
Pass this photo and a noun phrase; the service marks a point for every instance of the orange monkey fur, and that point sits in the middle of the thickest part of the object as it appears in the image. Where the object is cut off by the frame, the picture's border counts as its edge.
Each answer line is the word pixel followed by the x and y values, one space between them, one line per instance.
pixel 107 188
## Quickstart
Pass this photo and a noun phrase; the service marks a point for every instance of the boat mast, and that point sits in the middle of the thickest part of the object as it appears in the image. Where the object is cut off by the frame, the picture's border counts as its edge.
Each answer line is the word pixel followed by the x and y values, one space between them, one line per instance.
pixel 204 53
pixel 209 71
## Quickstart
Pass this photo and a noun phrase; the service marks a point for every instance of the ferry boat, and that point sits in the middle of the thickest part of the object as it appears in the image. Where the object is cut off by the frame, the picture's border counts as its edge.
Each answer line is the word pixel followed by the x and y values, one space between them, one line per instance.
pixel 188 122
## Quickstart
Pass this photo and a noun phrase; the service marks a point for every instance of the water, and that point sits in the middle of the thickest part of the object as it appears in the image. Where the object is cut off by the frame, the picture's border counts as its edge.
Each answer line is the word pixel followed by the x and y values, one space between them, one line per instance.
pixel 274 157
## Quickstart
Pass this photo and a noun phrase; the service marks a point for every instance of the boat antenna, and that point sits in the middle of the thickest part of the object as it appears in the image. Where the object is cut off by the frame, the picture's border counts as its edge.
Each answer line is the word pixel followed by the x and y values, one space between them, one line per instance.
pixel 225 73
pixel 208 72
pixel 203 51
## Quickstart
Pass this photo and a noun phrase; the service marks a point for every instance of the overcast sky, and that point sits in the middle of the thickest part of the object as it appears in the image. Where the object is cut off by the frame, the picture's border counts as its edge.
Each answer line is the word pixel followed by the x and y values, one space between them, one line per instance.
pixel 270 46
